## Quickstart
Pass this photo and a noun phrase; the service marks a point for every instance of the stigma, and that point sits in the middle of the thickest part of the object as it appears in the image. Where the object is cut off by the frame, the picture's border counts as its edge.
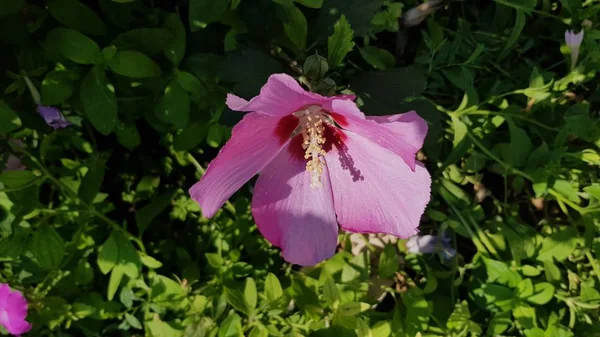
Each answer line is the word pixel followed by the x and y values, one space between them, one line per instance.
pixel 312 126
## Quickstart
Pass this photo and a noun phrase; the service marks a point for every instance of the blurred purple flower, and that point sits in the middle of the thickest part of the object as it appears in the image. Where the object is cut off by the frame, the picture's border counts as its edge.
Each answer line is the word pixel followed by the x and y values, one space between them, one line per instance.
pixel 14 164
pixel 13 310
pixel 574 43
pixel 430 244
pixel 53 117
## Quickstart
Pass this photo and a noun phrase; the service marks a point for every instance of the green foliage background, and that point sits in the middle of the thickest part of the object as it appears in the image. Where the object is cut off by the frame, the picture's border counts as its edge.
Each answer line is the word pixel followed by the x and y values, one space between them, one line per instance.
pixel 100 235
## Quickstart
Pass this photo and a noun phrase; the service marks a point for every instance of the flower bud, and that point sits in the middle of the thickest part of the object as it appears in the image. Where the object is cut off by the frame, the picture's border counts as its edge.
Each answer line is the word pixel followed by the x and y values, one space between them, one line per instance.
pixel 315 67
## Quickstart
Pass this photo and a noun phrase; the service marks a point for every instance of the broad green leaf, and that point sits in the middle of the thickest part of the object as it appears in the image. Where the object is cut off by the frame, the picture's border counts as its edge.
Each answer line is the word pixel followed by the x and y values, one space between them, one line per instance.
pixel 190 137
pixel 48 248
pixel 520 145
pixel 133 321
pixel 460 319
pixel 17 178
pixel 134 64
pixel 494 297
pixel 176 48
pixel 74 14
pixel 8 119
pixel 525 316
pixel 11 7
pixel 158 328
pixel 388 262
pixel 552 271
pixel 499 272
pixel 525 288
pixel 99 100
pixel 559 245
pixel 593 190
pixel 193 86
pixel 84 274
pixel 273 290
pixel 340 43
pixel 129 259
pixel 150 262
pixel 203 12
pixel 236 299
pixel 231 326
pixel 380 59
pixel 145 40
pixel 175 106
pixel 499 323
pixel 92 181
pixel 294 24
pixel 331 293
pixel 417 311
pixel 567 190
pixel 250 294
pixel 145 215
pixel 542 293
pixel 56 88
pixel 128 135
pixel 74 46
pixel 108 255
pixel 167 291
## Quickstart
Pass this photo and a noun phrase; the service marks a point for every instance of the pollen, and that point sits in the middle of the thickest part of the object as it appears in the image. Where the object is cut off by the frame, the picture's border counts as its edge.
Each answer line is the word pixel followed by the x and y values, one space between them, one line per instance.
pixel 313 128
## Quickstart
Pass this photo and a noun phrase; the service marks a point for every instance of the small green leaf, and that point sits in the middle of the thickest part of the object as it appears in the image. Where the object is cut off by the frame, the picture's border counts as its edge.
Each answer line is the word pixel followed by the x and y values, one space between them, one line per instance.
pixel 134 64
pixel 520 145
pixel 150 262
pixel 76 15
pixel 99 100
pixel 175 106
pixel 116 276
pixel 74 46
pixel 250 294
pixel 203 12
pixel 144 216
pixel 525 288
pixel 551 271
pixel 352 308
pixel 388 262
pixel 48 248
pixel 331 293
pixel 108 256
pixel 56 88
pixel 567 190
pixel 8 119
pixel 231 326
pixel 273 290
pixel 559 245
pixel 133 321
pixel 167 291
pixel 176 48
pixel 340 43
pixel 16 178
pixel 542 293
pixel 190 137
pixel 236 299
pixel 92 181
pixel 379 58
pixel 128 135
pixel 214 136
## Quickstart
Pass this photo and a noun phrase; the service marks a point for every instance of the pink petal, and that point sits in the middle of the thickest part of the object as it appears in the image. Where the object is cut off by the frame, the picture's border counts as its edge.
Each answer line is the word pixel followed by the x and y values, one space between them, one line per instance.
pixel 17 327
pixel 4 293
pixel 403 134
pixel 374 191
pixel 280 96
pixel 293 215
pixel 254 143
pixel 16 305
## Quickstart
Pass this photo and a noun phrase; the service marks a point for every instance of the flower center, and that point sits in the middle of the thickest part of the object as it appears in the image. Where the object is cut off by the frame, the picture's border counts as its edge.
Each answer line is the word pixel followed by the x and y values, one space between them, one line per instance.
pixel 312 122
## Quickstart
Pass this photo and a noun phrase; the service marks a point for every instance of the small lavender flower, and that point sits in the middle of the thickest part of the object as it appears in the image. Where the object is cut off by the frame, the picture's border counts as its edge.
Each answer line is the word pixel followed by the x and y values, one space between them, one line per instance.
pixel 13 310
pixel 14 164
pixel 574 43
pixel 51 115
pixel 430 244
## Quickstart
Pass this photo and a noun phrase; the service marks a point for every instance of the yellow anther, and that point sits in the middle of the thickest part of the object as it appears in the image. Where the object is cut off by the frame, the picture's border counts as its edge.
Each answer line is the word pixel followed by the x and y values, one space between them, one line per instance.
pixel 311 121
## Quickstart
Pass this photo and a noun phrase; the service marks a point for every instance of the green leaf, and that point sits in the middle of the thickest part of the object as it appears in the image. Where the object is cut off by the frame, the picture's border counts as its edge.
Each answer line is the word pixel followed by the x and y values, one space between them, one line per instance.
pixel 352 308
pixel 380 59
pixel 17 178
pixel 460 319
pixel 593 190
pixel 273 290
pixel 520 145
pixel 133 321
pixel 99 100
pixel 499 272
pixel 190 137
pixel 76 15
pixel 250 294
pixel 551 271
pixel 417 311
pixel 494 297
pixel 56 88
pixel 48 248
pixel 144 216
pixel 74 46
pixel 108 255
pixel 525 316
pixel 359 14
pixel 231 326
pixel 92 181
pixel 11 7
pixel 542 293
pixel 158 328
pixel 129 259
pixel 150 262
pixel 559 245
pixel 525 288
pixel 8 119
pixel 236 299
pixel 294 23
pixel 134 64
pixel 203 12
pixel 331 293
pixel 515 34
pixel 128 135
pixel 567 190
pixel 176 48
pixel 388 262
pixel 214 135
pixel 167 292
pixel 175 106
pixel 340 43
pixel 145 40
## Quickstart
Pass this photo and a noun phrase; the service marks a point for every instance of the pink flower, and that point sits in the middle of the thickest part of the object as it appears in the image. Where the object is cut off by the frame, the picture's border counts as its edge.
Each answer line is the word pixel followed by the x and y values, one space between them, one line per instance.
pixel 321 162
pixel 574 43
pixel 13 310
